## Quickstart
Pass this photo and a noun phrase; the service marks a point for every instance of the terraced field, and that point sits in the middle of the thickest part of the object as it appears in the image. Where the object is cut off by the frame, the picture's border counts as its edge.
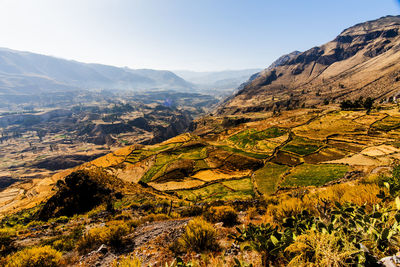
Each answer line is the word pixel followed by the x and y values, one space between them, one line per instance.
pixel 309 147
pixel 314 175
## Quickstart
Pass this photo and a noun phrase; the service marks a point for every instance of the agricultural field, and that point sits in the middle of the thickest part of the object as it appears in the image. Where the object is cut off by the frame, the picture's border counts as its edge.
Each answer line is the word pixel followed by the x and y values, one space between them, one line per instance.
pixel 228 190
pixel 250 138
pixel 268 177
pixel 258 156
pixel 387 124
pixel 302 146
pixel 314 175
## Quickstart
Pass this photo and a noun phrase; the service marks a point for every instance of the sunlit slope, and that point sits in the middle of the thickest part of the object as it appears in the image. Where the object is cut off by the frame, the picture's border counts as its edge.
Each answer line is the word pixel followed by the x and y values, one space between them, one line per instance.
pixel 363 60
pixel 305 147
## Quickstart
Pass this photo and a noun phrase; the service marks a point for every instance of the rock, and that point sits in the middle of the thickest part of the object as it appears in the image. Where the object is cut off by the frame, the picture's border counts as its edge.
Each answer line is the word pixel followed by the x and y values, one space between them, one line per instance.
pixel 219 224
pixel 102 249
pixel 233 250
pixel 391 261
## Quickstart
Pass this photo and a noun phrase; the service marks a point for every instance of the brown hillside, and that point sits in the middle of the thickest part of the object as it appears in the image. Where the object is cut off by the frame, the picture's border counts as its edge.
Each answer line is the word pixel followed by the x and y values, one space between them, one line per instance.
pixel 363 60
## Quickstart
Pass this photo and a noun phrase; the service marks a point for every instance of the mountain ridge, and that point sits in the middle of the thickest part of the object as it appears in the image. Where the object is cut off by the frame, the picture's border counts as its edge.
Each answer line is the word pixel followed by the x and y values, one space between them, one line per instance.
pixel 24 72
pixel 338 70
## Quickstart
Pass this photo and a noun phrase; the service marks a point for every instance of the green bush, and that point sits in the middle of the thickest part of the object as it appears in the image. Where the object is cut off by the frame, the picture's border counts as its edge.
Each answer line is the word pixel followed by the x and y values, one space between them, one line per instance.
pixel 112 234
pixel 199 236
pixel 66 242
pixel 45 256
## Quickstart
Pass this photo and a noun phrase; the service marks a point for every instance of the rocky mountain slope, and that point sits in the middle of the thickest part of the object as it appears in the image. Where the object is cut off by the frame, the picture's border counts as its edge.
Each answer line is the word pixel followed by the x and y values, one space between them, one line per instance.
pixel 29 73
pixel 362 61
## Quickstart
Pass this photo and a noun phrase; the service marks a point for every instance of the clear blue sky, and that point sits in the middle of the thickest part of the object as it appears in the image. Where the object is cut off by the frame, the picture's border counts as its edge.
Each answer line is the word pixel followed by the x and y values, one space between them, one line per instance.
pixel 179 34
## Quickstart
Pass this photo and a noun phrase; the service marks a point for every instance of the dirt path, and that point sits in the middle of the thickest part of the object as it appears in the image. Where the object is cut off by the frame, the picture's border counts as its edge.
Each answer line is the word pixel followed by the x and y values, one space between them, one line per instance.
pixel 146 233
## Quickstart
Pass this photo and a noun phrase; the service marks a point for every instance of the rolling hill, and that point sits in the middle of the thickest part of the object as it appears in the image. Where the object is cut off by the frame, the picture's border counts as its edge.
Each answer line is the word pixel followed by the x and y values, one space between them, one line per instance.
pixel 24 73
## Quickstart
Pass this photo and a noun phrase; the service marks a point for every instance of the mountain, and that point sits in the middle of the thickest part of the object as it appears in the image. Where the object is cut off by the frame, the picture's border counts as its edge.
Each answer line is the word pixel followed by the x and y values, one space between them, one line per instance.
pixel 363 61
pixel 284 59
pixel 223 80
pixel 312 186
pixel 29 73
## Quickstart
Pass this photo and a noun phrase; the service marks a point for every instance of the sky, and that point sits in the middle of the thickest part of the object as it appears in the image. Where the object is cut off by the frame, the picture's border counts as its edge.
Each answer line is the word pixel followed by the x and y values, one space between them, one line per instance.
pixel 200 35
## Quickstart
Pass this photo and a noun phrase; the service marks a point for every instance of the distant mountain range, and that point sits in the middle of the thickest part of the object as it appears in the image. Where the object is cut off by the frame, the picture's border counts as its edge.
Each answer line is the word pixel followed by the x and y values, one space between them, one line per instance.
pixel 363 61
pixel 30 73
pixel 224 81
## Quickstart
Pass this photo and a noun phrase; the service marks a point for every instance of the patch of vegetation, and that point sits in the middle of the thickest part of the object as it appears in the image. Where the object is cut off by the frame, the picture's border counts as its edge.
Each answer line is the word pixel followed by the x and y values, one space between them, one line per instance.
pixel 191 151
pixel 148 176
pixel 357 104
pixel 200 165
pixel 7 236
pixel 65 242
pixel 80 192
pixel 228 190
pixel 111 234
pixel 127 261
pixel 244 153
pixel 225 214
pixel 338 235
pixel 244 185
pixel 161 148
pixel 138 155
pixel 23 217
pixel 249 138
pixel 45 256
pixel 317 175
pixel 387 124
pixel 302 146
pixel 268 177
pixel 199 236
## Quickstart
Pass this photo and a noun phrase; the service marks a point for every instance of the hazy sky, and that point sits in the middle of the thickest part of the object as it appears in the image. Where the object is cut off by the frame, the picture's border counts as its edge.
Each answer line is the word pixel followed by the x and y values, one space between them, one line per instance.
pixel 179 34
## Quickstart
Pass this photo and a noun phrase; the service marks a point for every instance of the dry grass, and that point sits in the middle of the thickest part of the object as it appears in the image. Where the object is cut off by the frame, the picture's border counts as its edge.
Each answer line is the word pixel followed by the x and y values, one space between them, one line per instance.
pixel 320 249
pixel 288 205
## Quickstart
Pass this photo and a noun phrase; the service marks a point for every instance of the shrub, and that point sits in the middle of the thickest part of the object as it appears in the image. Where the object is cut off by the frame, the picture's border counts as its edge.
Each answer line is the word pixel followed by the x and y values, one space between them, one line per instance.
pixel 290 207
pixel 199 236
pixel 66 242
pixel 192 211
pixel 224 214
pixel 321 249
pixel 127 261
pixel 357 104
pixel 252 213
pixel 112 234
pixel 6 240
pixel 45 256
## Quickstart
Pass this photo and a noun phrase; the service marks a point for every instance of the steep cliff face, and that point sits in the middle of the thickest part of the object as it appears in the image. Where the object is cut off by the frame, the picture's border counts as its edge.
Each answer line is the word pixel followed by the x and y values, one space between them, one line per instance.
pixel 363 60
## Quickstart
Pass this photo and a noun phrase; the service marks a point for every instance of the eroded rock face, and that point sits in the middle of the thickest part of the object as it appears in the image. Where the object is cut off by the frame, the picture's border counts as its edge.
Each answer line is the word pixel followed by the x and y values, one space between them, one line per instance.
pixel 363 60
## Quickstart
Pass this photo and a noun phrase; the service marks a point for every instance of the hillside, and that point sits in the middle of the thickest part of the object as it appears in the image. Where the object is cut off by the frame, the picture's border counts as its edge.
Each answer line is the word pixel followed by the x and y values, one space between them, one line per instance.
pixel 306 185
pixel 258 163
pixel 362 61
pixel 225 154
pixel 24 73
